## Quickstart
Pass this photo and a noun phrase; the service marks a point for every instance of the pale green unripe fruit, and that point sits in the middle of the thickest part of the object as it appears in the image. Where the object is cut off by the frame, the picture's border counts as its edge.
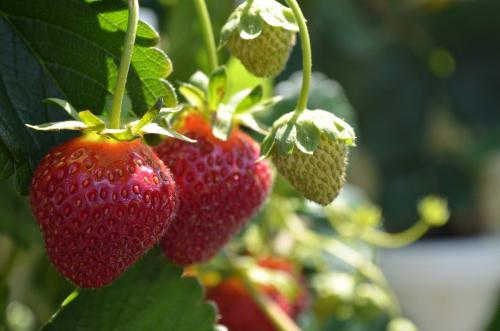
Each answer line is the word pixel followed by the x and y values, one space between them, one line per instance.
pixel 318 177
pixel 266 55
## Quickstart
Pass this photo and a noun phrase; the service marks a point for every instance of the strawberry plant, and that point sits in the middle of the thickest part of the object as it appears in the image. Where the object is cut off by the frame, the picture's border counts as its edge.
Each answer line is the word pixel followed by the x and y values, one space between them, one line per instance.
pixel 179 207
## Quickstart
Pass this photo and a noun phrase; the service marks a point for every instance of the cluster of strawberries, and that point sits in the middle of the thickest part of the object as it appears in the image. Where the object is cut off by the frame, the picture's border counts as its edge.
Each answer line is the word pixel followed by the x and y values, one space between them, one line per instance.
pixel 102 204
pixel 104 199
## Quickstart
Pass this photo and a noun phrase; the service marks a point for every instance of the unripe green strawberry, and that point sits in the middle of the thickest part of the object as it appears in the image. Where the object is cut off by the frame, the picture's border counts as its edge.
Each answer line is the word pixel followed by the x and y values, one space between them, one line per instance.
pixel 311 153
pixel 261 35
pixel 318 177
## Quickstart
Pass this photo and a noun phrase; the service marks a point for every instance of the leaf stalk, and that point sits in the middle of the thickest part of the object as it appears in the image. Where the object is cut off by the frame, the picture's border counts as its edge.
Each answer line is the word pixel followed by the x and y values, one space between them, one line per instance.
pixel 208 34
pixel 306 56
pixel 126 59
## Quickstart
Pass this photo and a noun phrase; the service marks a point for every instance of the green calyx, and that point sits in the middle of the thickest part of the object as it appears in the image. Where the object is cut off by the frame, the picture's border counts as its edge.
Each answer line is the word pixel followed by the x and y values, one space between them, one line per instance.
pixel 153 122
pixel 250 17
pixel 304 131
pixel 208 95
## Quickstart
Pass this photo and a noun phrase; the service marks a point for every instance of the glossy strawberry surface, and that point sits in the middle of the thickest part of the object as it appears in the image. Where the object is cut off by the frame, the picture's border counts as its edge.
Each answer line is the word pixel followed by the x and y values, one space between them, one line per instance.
pixel 239 312
pixel 101 205
pixel 220 187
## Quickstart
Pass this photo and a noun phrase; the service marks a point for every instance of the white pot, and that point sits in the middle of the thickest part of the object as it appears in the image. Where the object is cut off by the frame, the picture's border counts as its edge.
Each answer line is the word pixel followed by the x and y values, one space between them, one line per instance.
pixel 446 285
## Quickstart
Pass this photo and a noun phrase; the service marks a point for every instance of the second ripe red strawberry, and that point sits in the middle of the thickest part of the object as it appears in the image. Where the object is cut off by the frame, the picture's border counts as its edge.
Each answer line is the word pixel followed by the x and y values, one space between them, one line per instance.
pixel 239 312
pixel 220 187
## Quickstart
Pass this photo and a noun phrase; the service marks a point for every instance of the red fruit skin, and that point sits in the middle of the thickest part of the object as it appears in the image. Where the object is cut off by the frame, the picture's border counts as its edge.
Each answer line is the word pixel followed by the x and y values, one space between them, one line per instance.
pixel 101 205
pixel 220 188
pixel 239 312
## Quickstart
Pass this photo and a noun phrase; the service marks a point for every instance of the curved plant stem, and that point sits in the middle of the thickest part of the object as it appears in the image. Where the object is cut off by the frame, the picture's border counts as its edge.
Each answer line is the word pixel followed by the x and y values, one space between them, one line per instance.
pixel 208 33
pixel 306 55
pixel 121 81
pixel 397 240
pixel 280 320
pixel 346 254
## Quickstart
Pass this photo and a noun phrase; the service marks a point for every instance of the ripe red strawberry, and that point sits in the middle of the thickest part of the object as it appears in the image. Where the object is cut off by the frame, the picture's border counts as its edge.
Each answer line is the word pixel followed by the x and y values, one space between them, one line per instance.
pixel 238 310
pixel 220 187
pixel 101 205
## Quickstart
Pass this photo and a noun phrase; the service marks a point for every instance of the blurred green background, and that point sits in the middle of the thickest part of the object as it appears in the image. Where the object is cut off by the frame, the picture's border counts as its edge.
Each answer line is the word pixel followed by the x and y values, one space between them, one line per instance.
pixel 423 78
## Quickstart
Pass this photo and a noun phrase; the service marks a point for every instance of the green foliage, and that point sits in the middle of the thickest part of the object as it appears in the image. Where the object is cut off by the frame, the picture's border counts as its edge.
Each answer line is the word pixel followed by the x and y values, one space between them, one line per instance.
pixel 150 296
pixel 184 37
pixel 16 220
pixel 3 303
pixel 67 49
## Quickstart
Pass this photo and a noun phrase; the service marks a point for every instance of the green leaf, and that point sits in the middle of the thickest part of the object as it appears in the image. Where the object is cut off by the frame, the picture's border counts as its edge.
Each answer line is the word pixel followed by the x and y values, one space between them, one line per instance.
pixel 217 87
pixel 252 98
pixel 68 49
pixel 64 105
pixel 223 124
pixel 6 163
pixel 16 218
pixel 250 26
pixel 308 137
pixel 91 120
pixel 193 95
pixel 150 296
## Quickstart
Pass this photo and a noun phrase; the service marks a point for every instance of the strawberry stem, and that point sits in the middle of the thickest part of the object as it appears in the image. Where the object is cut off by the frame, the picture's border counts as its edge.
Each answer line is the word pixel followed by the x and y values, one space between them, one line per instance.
pixel 247 7
pixel 121 81
pixel 208 34
pixel 280 320
pixel 306 55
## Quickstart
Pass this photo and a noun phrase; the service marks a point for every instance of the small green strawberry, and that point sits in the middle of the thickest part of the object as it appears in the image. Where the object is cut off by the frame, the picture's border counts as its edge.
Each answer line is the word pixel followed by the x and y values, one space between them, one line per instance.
pixel 261 34
pixel 310 150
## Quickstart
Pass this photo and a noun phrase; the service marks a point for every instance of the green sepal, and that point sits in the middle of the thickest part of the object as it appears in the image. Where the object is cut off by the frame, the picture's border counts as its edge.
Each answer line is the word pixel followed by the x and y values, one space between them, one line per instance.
pixel 264 105
pixel 230 27
pixel 249 22
pixel 266 147
pixel 149 117
pixel 91 121
pixel 252 98
pixel 308 137
pixel 200 80
pixel 64 105
pixel 278 15
pixel 304 132
pixel 193 95
pixel 223 122
pixel 119 134
pixel 250 122
pixel 286 138
pixel 217 87
pixel 250 26
pixel 154 128
pixel 59 126
pixel 171 110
